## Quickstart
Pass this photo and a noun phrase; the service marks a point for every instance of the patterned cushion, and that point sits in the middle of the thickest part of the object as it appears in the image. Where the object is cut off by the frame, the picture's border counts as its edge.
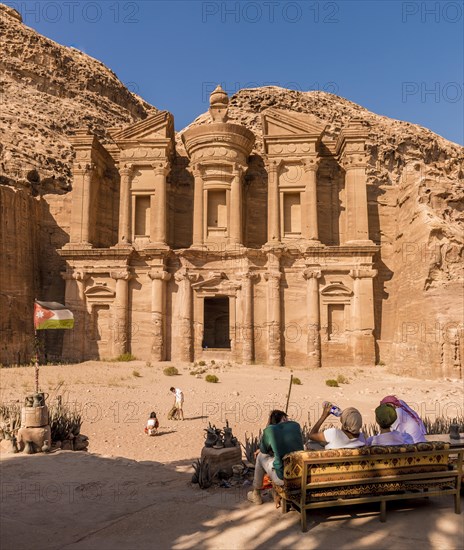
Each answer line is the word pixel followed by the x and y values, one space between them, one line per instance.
pixel 374 462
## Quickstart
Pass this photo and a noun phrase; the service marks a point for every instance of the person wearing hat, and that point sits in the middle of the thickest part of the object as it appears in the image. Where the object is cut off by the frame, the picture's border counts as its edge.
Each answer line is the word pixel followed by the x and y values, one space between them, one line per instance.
pixel 348 437
pixel 385 416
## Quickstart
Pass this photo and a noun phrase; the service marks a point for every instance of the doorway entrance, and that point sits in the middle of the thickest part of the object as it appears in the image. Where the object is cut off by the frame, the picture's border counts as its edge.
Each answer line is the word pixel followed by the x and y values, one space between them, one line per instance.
pixel 216 323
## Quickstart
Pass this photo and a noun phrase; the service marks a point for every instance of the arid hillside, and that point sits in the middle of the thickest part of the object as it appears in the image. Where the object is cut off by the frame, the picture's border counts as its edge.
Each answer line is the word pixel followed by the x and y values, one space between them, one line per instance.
pixel 415 194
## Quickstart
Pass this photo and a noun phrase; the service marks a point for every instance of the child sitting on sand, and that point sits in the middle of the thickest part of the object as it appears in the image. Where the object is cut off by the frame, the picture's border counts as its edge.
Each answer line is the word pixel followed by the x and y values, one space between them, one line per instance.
pixel 152 424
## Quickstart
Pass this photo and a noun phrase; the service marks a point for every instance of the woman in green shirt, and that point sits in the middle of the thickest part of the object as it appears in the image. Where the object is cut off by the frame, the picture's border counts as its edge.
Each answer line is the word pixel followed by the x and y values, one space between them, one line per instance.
pixel 280 437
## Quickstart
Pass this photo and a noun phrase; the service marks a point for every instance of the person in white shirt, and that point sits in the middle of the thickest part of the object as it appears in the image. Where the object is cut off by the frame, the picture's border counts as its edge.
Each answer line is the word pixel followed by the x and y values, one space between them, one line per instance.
pixel 348 437
pixel 386 417
pixel 407 421
pixel 152 424
pixel 179 402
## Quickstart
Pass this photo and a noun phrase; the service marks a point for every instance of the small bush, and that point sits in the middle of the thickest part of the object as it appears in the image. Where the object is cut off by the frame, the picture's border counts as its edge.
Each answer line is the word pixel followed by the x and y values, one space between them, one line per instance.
pixel 136 373
pixel 381 364
pixel 126 357
pixel 202 364
pixel 331 383
pixel 213 362
pixel 212 378
pixel 296 381
pixel 342 379
pixel 170 371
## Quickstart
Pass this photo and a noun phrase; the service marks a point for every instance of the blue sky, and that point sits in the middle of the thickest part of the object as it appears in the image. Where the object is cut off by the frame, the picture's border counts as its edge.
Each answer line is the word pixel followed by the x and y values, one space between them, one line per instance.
pixel 402 59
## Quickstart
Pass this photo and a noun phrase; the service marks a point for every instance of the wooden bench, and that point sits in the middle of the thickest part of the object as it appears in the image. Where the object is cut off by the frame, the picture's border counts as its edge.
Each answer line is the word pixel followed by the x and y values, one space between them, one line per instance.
pixel 326 478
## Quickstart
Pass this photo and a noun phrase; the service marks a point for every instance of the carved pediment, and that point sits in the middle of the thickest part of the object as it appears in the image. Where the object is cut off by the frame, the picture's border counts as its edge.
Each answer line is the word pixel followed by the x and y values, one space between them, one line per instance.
pixel 100 292
pixel 277 122
pixel 214 279
pixel 153 128
pixel 336 289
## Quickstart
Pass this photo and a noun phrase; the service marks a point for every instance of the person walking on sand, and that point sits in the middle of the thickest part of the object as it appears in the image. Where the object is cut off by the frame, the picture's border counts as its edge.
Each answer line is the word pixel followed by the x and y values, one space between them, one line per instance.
pixel 179 402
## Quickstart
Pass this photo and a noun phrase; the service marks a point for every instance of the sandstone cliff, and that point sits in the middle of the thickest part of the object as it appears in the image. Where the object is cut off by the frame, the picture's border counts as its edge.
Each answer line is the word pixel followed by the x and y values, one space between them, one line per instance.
pixel 416 214
pixel 46 92
pixel 415 193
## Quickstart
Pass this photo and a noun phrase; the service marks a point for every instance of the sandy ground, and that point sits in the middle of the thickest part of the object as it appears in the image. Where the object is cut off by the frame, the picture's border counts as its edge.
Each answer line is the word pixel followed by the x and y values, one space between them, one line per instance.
pixel 133 491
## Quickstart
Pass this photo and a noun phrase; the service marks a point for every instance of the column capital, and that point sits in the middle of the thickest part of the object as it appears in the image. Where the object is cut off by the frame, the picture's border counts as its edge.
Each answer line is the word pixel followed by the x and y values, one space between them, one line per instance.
pixel 351 160
pixel 80 275
pixel 85 168
pixel 311 163
pixel 273 165
pixel 157 274
pixel 312 273
pixel 184 275
pixel 123 274
pixel 247 275
pixel 363 273
pixel 161 168
pixel 273 276
pixel 126 169
pixel 197 170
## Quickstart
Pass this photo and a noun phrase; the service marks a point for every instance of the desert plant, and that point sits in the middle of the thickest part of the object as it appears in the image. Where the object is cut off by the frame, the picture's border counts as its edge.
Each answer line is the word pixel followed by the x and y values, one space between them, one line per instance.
pixel 296 381
pixel 64 422
pixel 381 364
pixel 136 374
pixel 441 424
pixel 125 357
pixel 202 474
pixel 342 379
pixel 213 362
pixel 170 371
pixel 332 383
pixel 251 446
pixel 10 418
pixel 202 364
pixel 212 378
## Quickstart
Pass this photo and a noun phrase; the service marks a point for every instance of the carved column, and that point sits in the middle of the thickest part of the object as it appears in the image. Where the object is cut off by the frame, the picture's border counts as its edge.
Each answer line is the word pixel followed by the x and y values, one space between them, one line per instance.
pixel 121 312
pixel 125 206
pixel 158 205
pixel 247 336
pixel 363 316
pixel 158 313
pixel 184 313
pixel 236 207
pixel 273 317
pixel 313 316
pixel 310 223
pixel 198 213
pixel 86 202
pixel 273 206
pixel 357 227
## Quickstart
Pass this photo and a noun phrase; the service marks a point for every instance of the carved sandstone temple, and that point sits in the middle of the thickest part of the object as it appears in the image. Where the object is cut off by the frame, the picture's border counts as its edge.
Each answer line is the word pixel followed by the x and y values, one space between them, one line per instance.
pixel 222 251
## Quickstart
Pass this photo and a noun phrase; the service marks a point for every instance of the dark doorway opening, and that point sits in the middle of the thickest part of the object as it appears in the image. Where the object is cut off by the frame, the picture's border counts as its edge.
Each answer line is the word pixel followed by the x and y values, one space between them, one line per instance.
pixel 216 323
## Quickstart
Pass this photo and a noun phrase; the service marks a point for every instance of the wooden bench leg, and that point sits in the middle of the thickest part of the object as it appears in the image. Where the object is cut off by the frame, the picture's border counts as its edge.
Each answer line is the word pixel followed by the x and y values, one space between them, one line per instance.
pixel 304 526
pixel 383 511
pixel 284 505
pixel 457 503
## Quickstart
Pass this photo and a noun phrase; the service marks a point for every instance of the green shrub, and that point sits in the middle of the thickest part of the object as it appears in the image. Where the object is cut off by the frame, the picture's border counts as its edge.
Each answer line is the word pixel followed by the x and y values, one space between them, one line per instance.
pixel 212 378
pixel 381 364
pixel 170 371
pixel 296 381
pixel 331 383
pixel 136 373
pixel 126 357
pixel 342 379
pixel 202 363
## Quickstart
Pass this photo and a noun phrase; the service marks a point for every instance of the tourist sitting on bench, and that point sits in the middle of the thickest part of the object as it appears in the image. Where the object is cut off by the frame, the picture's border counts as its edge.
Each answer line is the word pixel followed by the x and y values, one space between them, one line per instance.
pixel 408 421
pixel 348 437
pixel 385 417
pixel 280 437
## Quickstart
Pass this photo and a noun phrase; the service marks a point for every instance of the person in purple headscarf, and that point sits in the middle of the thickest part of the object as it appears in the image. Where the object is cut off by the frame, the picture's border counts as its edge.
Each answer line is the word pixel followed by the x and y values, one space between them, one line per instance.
pixel 407 421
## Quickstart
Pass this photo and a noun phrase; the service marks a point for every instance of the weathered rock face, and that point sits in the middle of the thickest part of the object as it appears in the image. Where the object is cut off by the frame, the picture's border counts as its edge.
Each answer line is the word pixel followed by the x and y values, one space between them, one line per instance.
pixel 46 92
pixel 415 196
pixel 416 203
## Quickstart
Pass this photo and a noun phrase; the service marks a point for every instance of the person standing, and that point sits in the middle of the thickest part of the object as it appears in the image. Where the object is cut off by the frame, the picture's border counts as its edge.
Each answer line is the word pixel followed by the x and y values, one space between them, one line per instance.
pixel 179 402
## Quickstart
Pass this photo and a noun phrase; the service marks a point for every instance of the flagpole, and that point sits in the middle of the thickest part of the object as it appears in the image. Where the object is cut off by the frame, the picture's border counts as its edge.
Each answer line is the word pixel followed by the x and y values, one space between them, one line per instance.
pixel 36 345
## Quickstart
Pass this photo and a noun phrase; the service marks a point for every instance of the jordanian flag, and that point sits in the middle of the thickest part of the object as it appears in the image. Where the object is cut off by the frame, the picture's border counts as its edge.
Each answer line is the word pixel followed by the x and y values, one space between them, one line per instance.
pixel 52 315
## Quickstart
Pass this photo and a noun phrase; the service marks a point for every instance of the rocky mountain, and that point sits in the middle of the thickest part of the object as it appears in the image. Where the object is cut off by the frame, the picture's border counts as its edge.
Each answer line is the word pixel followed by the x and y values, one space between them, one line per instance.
pixel 46 92
pixel 415 191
